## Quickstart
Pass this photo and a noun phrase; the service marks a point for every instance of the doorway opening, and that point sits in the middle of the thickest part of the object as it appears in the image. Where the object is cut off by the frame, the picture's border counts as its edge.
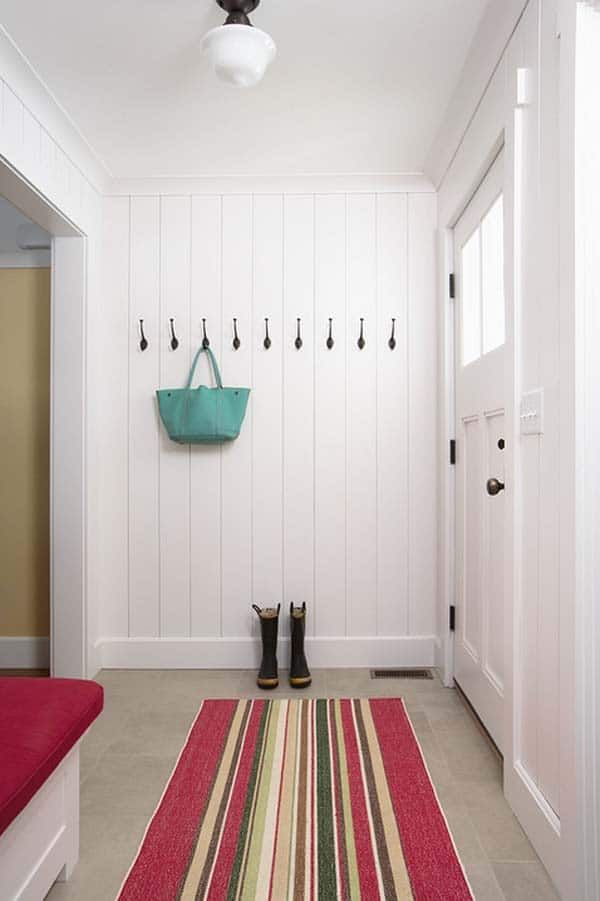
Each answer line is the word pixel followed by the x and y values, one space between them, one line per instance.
pixel 25 341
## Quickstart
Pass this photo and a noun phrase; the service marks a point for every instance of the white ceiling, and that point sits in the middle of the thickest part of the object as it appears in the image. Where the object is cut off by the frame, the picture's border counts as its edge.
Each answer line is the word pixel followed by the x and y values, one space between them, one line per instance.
pixel 358 86
pixel 16 229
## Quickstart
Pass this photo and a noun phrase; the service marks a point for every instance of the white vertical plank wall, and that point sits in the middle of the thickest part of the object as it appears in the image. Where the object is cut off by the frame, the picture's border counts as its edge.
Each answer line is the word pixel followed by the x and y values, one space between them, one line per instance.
pixel 298 405
pixel 205 485
pixel 330 415
pixel 236 503
pixel 392 415
pixel 422 402
pixel 361 560
pixel 329 494
pixel 144 435
pixel 114 442
pixel 174 473
pixel 267 402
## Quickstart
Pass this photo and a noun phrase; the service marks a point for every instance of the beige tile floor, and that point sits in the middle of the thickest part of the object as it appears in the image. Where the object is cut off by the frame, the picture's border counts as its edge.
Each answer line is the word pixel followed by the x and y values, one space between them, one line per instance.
pixel 130 751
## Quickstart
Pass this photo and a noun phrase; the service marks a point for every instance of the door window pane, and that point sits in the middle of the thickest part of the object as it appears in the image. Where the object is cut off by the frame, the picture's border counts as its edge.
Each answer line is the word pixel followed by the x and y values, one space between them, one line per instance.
pixel 471 299
pixel 492 277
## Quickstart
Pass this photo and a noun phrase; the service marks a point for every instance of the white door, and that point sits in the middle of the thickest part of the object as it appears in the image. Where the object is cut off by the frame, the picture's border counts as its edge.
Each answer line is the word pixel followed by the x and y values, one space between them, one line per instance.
pixel 481 359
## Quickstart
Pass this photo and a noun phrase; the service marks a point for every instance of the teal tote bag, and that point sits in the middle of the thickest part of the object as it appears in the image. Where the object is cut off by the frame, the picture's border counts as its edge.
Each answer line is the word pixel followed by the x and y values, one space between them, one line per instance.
pixel 203 415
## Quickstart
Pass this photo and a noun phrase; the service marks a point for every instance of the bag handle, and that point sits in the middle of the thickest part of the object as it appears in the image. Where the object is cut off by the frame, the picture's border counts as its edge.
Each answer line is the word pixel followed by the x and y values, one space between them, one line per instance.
pixel 214 364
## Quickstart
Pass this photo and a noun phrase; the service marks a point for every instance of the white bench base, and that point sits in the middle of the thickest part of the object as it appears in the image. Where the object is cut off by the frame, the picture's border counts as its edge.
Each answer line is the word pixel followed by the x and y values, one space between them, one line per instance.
pixel 42 844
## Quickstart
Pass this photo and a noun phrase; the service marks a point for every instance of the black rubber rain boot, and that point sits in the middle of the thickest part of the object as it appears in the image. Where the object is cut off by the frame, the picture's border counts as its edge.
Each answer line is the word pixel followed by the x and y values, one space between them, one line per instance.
pixel 269 620
pixel 299 673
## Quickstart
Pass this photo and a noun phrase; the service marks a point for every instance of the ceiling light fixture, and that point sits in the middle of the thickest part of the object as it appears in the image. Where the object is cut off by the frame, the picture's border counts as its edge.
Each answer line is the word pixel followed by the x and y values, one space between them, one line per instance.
pixel 239 53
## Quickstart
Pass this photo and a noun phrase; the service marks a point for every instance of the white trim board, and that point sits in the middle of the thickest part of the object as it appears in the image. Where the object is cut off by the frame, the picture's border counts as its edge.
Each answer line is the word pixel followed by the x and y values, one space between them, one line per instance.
pixel 488 47
pixel 317 183
pixel 41 103
pixel 24 652
pixel 244 653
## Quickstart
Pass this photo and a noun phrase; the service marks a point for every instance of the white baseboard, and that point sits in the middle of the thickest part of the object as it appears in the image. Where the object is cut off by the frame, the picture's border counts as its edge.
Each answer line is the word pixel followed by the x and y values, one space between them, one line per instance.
pixel 244 653
pixel 94 660
pixel 24 653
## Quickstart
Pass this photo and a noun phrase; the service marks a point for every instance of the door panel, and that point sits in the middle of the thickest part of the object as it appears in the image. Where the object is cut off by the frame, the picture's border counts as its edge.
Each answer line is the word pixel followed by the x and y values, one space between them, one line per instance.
pixel 480 412
pixel 494 507
pixel 471 528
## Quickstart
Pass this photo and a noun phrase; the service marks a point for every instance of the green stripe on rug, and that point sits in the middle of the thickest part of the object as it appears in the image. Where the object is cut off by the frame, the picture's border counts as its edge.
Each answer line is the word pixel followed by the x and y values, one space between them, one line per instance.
pixel 326 845
pixel 239 853
pixel 260 811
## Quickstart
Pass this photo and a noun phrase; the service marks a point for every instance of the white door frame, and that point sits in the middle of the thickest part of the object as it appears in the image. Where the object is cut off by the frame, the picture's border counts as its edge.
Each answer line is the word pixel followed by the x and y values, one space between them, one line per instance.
pixel 68 607
pixel 497 113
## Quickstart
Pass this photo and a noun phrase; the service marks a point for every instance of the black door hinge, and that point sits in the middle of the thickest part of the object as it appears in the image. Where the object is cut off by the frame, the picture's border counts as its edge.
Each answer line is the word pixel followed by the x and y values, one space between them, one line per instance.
pixel 452 618
pixel 452 286
pixel 452 451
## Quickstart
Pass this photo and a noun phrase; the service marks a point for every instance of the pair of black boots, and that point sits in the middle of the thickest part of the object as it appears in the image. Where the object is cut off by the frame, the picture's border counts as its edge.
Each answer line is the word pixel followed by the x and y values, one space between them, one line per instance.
pixel 269 623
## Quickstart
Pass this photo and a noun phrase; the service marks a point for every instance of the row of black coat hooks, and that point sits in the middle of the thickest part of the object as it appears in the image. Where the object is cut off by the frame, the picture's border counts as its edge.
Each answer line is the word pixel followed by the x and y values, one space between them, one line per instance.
pixel 298 342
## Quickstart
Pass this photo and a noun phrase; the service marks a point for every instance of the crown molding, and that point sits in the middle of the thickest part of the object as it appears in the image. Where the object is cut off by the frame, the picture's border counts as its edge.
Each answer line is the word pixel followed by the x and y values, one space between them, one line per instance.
pixel 326 183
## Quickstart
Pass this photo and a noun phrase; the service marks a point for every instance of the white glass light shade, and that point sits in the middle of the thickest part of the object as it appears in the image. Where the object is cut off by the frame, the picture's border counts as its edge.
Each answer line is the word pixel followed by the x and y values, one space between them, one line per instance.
pixel 239 54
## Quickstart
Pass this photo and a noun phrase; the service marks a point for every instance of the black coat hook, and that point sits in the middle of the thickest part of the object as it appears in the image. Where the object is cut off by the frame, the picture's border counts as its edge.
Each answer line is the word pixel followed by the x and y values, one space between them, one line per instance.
pixel 298 341
pixel 392 341
pixel 267 341
pixel 330 341
pixel 361 340
pixel 174 341
pixel 143 342
pixel 236 340
pixel 205 341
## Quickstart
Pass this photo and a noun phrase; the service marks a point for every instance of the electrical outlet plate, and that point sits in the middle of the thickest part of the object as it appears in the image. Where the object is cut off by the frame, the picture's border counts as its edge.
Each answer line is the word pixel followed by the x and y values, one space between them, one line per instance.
pixel 532 412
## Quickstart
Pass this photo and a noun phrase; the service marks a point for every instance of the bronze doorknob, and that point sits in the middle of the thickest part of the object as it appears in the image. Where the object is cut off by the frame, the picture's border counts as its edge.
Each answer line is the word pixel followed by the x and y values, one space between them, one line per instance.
pixel 494 486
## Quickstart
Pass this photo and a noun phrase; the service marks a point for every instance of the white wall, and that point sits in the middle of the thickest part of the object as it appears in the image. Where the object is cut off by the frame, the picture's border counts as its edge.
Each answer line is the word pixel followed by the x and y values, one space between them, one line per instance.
pixel 41 146
pixel 329 494
pixel 587 260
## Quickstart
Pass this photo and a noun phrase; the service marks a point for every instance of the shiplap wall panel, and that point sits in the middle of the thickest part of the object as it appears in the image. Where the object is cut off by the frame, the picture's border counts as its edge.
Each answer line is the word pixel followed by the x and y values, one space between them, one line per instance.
pixel 236 515
pixel 392 416
pixel 328 496
pixel 362 416
pixel 13 125
pixel 330 416
pixel 144 433
pixel 205 478
pixel 115 444
pixel 298 411
pixel 267 403
pixel 31 149
pixel 174 477
pixel 422 429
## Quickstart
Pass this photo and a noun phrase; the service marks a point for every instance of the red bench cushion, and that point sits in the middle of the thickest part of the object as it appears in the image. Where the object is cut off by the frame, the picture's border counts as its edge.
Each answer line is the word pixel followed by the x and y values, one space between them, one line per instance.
pixel 40 721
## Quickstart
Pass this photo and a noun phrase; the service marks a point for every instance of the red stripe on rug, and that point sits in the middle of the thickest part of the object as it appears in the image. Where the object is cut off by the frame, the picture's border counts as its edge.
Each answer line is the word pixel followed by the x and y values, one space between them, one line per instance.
pixel 433 866
pixel 367 873
pixel 231 830
pixel 165 850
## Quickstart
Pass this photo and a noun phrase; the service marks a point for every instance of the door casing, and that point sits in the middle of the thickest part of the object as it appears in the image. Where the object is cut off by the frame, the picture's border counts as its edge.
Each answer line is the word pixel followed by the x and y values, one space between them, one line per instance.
pixel 68 425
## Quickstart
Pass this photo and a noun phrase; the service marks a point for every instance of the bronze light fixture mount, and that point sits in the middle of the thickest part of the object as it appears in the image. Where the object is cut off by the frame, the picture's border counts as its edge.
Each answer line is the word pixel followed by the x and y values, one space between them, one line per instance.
pixel 238 10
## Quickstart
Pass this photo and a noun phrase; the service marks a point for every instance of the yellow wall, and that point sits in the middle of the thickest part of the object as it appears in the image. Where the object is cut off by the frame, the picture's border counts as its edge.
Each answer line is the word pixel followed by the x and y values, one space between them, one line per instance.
pixel 24 451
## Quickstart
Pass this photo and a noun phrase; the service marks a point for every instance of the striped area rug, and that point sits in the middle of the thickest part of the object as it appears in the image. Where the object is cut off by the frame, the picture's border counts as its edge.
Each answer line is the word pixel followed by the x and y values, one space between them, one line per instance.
pixel 298 799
